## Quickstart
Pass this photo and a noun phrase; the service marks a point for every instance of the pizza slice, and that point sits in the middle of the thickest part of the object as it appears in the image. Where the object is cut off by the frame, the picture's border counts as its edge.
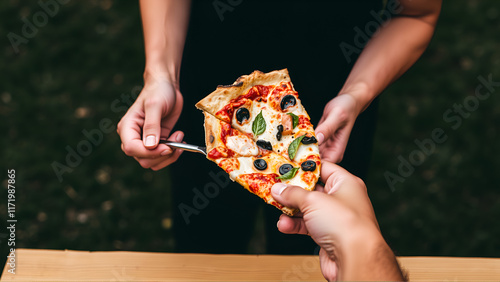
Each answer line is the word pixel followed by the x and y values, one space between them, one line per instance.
pixel 254 168
pixel 260 119
pixel 266 107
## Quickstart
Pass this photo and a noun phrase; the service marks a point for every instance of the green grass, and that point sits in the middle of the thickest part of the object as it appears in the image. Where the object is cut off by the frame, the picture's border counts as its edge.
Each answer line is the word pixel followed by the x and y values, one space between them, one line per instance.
pixel 449 206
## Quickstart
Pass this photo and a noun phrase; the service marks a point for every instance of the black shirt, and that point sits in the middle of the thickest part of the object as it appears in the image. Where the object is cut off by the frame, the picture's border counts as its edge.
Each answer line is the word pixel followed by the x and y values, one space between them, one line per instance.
pixel 303 36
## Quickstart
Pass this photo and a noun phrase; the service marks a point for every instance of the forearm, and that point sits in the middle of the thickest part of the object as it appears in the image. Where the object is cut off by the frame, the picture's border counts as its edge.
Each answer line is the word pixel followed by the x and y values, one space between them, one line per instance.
pixel 369 258
pixel 165 26
pixel 391 52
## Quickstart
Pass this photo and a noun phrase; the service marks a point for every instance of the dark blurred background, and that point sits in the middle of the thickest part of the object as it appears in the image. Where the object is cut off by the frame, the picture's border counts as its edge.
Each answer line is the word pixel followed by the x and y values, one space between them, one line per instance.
pixel 70 76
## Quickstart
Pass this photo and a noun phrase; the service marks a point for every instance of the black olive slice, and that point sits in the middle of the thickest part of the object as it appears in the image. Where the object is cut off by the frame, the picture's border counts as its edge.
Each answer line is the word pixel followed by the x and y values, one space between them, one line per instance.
pixel 280 131
pixel 242 114
pixel 265 145
pixel 288 101
pixel 308 165
pixel 260 164
pixel 309 140
pixel 285 168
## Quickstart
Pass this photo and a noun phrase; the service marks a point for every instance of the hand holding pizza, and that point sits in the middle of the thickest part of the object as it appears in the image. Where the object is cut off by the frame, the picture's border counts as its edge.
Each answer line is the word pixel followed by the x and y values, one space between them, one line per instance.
pixel 153 115
pixel 335 126
pixel 340 219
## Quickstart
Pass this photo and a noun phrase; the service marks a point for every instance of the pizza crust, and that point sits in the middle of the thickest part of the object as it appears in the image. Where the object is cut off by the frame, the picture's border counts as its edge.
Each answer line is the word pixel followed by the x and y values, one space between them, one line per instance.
pixel 225 93
pixel 221 97
pixel 213 140
pixel 289 211
pixel 212 132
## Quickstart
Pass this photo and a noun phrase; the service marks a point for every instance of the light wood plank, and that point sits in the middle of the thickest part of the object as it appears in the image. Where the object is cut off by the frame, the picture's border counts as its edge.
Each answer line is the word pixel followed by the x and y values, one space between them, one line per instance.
pixel 451 268
pixel 54 265
pixel 51 265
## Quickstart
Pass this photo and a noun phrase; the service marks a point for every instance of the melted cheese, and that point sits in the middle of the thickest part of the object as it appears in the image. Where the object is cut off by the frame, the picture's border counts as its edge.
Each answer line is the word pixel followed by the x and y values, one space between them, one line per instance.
pixel 304 151
pixel 272 119
pixel 273 164
pixel 242 145
pixel 246 167
pixel 297 180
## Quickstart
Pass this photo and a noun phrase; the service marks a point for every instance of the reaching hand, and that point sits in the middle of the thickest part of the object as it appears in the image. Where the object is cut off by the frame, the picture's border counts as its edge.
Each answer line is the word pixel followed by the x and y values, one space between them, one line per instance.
pixel 340 219
pixel 151 117
pixel 335 126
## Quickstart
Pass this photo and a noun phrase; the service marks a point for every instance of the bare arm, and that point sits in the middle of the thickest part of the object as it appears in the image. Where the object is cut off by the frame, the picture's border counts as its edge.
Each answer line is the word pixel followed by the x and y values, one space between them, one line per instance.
pixel 159 105
pixel 165 25
pixel 392 50
pixel 340 219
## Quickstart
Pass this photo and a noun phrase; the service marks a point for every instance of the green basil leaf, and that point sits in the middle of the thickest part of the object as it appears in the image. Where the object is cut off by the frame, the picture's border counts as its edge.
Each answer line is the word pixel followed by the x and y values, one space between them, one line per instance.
pixel 259 124
pixel 295 119
pixel 294 146
pixel 290 174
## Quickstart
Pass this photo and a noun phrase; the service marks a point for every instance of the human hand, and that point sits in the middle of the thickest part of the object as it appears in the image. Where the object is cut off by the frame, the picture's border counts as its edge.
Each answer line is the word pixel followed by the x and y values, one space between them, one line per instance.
pixel 152 116
pixel 341 220
pixel 335 126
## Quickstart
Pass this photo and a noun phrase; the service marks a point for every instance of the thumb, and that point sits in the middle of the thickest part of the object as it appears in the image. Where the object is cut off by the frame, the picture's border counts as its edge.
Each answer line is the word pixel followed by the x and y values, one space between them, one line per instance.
pixel 289 195
pixel 152 124
pixel 328 127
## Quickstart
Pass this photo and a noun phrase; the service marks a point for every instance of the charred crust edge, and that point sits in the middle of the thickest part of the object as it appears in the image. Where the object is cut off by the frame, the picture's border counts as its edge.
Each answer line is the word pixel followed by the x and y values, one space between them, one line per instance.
pixel 237 84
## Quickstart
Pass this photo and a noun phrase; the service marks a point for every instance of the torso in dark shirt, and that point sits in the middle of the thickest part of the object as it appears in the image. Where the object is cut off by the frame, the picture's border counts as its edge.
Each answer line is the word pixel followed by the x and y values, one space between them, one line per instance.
pixel 303 36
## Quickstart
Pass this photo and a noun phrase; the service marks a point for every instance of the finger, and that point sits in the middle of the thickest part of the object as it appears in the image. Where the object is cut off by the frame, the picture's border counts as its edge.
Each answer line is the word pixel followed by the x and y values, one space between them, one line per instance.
pixel 150 162
pixel 177 137
pixel 332 175
pixel 159 162
pixel 328 265
pixel 289 195
pixel 292 225
pixel 344 186
pixel 170 120
pixel 173 158
pixel 153 111
pixel 334 149
pixel 130 135
pixel 319 188
pixel 145 162
pixel 320 137
pixel 327 128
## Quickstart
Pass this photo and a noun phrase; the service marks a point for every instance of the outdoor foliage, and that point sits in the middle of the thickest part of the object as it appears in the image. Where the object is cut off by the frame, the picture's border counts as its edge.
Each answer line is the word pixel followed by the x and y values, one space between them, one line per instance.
pixel 67 79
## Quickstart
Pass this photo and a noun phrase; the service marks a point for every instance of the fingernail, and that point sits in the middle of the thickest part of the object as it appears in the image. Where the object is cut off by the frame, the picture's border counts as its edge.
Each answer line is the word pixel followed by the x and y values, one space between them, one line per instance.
pixel 278 224
pixel 278 188
pixel 321 138
pixel 150 141
pixel 179 137
pixel 166 152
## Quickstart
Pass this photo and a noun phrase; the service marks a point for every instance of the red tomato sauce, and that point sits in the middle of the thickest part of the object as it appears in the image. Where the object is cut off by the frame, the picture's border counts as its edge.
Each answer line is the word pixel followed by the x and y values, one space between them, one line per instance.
pixel 276 204
pixel 260 184
pixel 314 158
pixel 304 122
pixel 220 152
pixel 229 165
pixel 259 92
